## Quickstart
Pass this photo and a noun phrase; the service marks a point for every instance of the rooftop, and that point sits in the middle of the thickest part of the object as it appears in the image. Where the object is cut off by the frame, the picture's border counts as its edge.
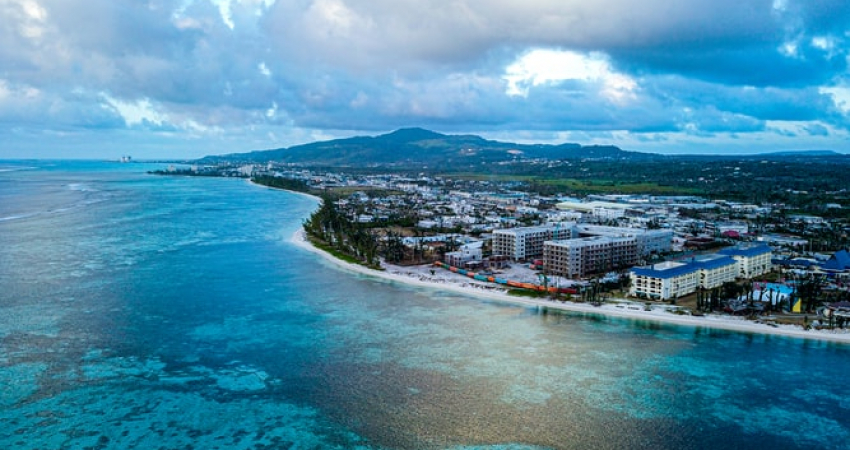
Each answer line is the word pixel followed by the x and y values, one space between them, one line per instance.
pixel 746 250
pixel 666 269
pixel 714 261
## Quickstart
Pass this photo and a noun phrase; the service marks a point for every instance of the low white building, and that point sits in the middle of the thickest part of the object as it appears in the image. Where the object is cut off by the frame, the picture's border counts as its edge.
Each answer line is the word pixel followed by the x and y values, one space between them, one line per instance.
pixel 608 213
pixel 466 253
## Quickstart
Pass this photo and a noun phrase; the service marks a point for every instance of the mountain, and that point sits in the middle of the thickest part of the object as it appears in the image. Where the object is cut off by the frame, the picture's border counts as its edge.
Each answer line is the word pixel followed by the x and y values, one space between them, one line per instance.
pixel 417 146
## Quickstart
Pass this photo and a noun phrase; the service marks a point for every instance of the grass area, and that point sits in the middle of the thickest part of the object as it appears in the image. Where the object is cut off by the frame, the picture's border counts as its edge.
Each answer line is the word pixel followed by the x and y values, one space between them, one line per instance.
pixel 611 186
pixel 527 293
pixel 599 186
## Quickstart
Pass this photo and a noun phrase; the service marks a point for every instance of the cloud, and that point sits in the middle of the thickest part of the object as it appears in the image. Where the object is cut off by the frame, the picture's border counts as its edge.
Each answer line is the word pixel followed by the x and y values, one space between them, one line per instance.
pixel 816 129
pixel 840 96
pixel 545 66
pixel 266 71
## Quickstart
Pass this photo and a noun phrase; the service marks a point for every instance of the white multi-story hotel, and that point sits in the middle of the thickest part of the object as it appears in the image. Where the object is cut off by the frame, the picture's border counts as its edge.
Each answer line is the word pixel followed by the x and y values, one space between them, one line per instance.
pixel 665 280
pixel 675 279
pixel 714 270
pixel 579 257
pixel 752 260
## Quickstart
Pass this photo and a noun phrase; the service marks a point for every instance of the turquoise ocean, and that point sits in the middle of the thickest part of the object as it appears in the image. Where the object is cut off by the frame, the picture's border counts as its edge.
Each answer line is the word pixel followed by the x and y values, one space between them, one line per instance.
pixel 150 312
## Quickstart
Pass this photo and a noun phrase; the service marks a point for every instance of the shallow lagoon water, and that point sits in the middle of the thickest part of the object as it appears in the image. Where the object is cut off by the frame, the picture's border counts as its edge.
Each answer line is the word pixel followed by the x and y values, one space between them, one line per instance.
pixel 140 311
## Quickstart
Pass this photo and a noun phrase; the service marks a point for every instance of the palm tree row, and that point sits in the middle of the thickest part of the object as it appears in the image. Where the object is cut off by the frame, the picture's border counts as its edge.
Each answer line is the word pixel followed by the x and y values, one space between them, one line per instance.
pixel 344 235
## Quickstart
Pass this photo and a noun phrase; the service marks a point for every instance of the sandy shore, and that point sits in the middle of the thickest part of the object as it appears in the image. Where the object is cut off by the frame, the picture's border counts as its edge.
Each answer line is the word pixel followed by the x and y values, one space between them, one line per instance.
pixel 443 280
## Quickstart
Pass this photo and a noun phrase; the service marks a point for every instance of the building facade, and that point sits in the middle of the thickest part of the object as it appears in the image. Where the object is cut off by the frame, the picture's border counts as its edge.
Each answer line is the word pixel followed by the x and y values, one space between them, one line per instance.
pixel 575 258
pixel 648 241
pixel 752 259
pixel 714 270
pixel 526 242
pixel 676 279
pixel 670 279
pixel 465 254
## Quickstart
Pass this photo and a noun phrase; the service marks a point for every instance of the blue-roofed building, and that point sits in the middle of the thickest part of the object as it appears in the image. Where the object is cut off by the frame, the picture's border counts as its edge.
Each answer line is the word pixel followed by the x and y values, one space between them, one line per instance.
pixel 665 280
pixel 840 262
pixel 716 269
pixel 676 279
pixel 753 259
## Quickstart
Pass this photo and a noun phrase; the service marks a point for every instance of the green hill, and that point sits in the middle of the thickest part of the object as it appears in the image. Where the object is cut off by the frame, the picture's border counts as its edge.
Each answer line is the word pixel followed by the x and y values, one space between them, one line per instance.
pixel 418 147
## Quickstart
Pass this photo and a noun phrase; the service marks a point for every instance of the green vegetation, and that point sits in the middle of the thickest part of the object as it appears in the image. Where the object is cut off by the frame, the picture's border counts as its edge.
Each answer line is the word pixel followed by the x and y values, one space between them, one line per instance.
pixel 527 293
pixel 415 148
pixel 283 183
pixel 806 183
pixel 584 187
pixel 321 245
pixel 552 185
pixel 341 236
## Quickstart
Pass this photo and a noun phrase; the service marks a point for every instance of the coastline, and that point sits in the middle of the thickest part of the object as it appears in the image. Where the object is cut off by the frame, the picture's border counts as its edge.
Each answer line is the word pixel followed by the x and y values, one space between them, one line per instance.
pixel 461 285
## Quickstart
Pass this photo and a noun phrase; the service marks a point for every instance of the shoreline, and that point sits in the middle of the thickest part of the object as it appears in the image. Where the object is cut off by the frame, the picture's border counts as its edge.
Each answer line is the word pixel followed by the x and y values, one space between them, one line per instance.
pixel 478 290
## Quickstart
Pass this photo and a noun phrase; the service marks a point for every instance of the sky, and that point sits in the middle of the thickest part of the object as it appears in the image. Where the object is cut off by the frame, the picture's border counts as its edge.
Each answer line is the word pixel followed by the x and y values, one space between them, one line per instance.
pixel 187 78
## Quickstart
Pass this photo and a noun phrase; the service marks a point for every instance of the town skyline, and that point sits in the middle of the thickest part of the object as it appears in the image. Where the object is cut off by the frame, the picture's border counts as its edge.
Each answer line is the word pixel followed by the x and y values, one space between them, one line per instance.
pixel 187 78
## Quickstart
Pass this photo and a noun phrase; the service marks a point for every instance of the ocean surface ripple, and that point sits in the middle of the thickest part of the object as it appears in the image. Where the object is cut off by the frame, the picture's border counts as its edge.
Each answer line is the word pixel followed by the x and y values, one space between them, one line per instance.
pixel 139 311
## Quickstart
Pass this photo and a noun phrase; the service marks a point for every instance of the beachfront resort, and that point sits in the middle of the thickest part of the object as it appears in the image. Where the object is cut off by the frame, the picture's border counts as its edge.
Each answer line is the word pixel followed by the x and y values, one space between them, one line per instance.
pixel 703 256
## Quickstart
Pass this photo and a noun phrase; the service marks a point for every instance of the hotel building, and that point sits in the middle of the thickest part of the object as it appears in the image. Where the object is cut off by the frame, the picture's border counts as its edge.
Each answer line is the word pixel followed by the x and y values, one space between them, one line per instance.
pixel 752 259
pixel 676 279
pixel 648 241
pixel 664 280
pixel 527 242
pixel 575 258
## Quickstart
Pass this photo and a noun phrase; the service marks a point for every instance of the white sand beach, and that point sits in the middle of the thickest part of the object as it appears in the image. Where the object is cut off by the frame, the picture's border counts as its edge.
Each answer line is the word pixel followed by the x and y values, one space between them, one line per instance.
pixel 444 280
